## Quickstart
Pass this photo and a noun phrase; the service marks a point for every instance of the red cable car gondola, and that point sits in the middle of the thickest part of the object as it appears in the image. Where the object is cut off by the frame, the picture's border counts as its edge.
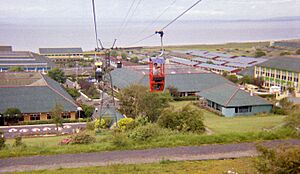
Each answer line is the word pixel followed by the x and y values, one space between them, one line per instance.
pixel 157 70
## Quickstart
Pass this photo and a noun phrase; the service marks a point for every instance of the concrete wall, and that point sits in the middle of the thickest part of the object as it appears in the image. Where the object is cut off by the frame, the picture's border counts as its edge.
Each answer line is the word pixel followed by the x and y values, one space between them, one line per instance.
pixel 230 112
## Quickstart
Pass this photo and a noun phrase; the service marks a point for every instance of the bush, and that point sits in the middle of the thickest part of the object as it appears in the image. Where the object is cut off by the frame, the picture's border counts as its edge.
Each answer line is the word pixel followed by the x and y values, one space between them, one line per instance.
pixel 259 53
pixel 82 138
pixel 144 133
pixel 298 51
pixel 188 119
pixel 119 140
pixel 90 126
pixel 278 111
pixel 18 142
pixel 280 160
pixel 88 110
pixel 185 98
pixel 73 92
pixel 98 125
pixel 293 119
pixel 124 122
pixel 2 141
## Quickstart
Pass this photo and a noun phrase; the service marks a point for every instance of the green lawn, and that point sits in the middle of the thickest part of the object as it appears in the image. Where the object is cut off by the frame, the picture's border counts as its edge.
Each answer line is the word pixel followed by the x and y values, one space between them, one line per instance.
pixel 243 165
pixel 220 124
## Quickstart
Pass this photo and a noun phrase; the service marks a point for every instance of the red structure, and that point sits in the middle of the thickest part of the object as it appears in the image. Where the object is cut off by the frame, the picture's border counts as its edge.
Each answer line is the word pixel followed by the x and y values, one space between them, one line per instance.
pixel 157 75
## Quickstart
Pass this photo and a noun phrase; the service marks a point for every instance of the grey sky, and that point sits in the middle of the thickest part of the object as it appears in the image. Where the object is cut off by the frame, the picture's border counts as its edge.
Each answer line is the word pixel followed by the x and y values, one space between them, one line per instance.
pixel 70 10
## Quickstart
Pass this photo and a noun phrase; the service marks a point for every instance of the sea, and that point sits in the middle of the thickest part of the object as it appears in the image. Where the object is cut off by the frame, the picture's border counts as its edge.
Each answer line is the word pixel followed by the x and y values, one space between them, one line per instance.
pixel 27 35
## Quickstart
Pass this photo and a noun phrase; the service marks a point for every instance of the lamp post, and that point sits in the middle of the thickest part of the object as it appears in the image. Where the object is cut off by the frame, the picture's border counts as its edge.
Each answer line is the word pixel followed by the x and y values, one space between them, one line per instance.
pixel 79 109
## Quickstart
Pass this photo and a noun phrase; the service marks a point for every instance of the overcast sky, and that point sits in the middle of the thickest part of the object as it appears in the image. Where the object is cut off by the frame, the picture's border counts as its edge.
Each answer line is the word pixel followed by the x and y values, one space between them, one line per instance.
pixel 71 10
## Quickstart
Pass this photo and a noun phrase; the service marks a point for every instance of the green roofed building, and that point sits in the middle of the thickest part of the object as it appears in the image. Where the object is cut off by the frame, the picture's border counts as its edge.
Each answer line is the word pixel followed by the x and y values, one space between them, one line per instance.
pixel 34 95
pixel 282 71
pixel 187 81
pixel 230 100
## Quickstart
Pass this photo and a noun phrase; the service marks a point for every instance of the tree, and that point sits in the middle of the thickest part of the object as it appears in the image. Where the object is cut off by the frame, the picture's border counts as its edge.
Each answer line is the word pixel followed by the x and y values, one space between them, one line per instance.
pixel 12 115
pixel 73 92
pixel 124 56
pixel 259 53
pixel 258 82
pixel 233 78
pixel 246 79
pixel 298 51
pixel 56 114
pixel 16 69
pixel 57 75
pixel 134 59
pixel 188 119
pixel 173 91
pixel 88 110
pixel 137 100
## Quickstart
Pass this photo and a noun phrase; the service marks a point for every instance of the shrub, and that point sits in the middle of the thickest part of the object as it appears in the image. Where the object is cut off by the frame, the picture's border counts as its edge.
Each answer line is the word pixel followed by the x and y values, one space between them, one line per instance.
pixel 90 126
pixel 108 122
pixel 298 51
pixel 73 92
pixel 293 119
pixel 98 125
pixel 259 53
pixel 119 140
pixel 2 141
pixel 285 53
pixel 82 138
pixel 144 133
pixel 187 119
pixel 124 122
pixel 280 160
pixel 278 111
pixel 18 142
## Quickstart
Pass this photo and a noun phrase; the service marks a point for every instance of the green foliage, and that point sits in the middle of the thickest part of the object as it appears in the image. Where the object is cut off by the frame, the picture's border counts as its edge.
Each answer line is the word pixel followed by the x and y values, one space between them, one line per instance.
pixel 2 140
pixel 134 59
pixel 137 100
pixel 286 105
pixel 57 75
pixel 18 142
pixel 293 119
pixel 281 160
pixel 98 125
pixel 12 112
pixel 73 92
pixel 285 53
pixel 145 133
pixel 259 53
pixel 124 56
pixel 124 122
pixel 114 53
pixel 188 119
pixel 246 79
pixel 16 69
pixel 90 126
pixel 298 51
pixel 278 111
pixel 232 78
pixel 209 62
pixel 173 91
pixel 82 138
pixel 88 110
pixel 119 140
pixel 56 115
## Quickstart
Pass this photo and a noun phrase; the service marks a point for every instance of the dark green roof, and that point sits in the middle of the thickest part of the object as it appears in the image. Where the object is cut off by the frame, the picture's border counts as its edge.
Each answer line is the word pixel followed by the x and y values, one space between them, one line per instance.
pixel 283 63
pixel 184 82
pixel 232 96
pixel 35 99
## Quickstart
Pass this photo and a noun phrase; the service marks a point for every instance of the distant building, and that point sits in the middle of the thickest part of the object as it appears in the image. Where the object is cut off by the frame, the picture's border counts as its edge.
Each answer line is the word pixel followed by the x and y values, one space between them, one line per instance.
pixel 5 48
pixel 229 100
pixel 282 71
pixel 35 95
pixel 286 43
pixel 62 54
pixel 26 60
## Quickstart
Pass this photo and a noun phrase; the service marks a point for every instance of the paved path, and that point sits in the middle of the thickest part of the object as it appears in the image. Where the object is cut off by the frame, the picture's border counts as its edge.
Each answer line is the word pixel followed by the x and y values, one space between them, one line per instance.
pixel 136 156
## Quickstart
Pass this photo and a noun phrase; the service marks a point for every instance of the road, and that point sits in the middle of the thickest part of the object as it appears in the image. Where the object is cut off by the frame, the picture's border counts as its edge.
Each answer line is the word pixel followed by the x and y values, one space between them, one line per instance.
pixel 216 151
pixel 42 129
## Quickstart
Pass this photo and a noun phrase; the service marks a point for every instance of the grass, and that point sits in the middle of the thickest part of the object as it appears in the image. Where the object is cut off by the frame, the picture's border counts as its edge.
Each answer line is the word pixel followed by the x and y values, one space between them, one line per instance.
pixel 243 165
pixel 219 124
pixel 225 130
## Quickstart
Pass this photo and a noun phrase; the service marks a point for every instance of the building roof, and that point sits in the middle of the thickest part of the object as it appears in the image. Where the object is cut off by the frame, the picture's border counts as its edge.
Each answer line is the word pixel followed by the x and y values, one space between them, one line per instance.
pixel 204 60
pixel 59 50
pixel 32 93
pixel 247 72
pixel 217 67
pixel 232 96
pixel 184 82
pixel 21 58
pixel 283 63
pixel 183 61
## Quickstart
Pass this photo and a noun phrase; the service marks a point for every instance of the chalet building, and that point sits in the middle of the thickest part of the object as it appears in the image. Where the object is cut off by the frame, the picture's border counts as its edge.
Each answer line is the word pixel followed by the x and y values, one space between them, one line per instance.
pixel 62 54
pixel 283 72
pixel 34 95
pixel 229 100
pixel 26 60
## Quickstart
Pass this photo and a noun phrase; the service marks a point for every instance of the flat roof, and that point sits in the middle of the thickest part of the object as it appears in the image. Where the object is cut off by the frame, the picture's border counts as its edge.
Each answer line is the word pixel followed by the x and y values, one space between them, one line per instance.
pixel 218 67
pixel 183 61
pixel 199 59
pixel 283 63
pixel 60 50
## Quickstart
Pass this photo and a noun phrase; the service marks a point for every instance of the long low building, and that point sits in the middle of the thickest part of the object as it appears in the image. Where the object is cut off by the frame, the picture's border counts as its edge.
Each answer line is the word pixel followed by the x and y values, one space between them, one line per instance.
pixel 26 60
pixel 35 95
pixel 62 54
pixel 230 100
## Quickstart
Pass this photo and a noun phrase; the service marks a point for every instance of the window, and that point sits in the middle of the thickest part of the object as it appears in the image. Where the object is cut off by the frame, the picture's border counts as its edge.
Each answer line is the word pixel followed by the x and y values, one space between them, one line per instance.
pixel 35 117
pixel 49 116
pixel 66 115
pixel 243 109
pixel 277 75
pixel 283 77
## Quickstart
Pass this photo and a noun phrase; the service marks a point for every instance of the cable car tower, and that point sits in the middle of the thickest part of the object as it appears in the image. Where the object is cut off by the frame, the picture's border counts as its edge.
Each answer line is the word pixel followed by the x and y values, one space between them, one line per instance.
pixel 157 69
pixel 104 79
